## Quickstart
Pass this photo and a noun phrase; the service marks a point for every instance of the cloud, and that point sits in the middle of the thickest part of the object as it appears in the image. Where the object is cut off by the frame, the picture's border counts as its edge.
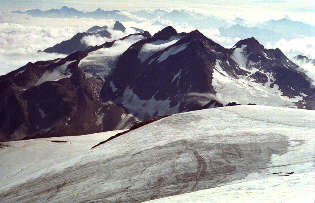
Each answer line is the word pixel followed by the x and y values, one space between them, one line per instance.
pixel 303 45
pixel 308 68
pixel 21 37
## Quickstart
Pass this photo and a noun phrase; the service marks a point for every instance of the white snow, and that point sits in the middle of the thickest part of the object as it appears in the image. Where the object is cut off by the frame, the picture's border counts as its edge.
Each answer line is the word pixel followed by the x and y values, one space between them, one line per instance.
pixel 149 49
pixel 172 51
pixel 245 90
pixel 233 150
pixel 23 159
pixel 58 73
pixel 101 62
pixel 96 39
pixel 147 108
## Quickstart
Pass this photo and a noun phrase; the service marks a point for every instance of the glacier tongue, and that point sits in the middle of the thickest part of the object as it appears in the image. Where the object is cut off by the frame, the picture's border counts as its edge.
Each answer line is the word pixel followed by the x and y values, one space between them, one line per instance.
pixel 239 150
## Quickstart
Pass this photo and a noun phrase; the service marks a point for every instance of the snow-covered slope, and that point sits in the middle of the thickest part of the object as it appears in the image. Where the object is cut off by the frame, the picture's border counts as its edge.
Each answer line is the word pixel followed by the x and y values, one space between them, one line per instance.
pixel 240 149
pixel 20 159
pixel 58 73
pixel 100 63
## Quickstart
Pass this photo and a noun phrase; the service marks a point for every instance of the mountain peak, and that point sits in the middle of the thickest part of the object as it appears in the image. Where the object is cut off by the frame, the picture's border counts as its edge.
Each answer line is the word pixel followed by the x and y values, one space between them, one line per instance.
pixel 165 33
pixel 119 26
pixel 196 34
pixel 251 43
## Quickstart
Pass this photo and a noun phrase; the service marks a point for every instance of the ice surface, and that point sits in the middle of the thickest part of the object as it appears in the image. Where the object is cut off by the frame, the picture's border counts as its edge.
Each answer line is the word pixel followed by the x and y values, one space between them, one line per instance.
pixel 241 152
pixel 24 158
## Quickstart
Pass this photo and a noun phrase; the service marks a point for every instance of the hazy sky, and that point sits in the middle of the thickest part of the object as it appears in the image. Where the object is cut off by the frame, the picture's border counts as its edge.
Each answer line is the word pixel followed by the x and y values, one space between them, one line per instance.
pixel 283 5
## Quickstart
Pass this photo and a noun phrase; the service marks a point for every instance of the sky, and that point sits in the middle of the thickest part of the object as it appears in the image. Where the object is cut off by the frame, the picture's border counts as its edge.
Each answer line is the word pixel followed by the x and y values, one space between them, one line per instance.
pixel 288 5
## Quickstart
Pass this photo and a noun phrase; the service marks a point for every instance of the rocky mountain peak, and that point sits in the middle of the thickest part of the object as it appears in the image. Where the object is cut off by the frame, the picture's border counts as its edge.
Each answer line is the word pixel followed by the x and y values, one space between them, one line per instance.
pixel 251 43
pixel 119 26
pixel 197 37
pixel 165 34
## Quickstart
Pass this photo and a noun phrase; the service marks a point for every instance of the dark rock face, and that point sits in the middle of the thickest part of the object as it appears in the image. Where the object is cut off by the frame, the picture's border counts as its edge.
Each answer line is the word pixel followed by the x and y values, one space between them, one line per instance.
pixel 165 34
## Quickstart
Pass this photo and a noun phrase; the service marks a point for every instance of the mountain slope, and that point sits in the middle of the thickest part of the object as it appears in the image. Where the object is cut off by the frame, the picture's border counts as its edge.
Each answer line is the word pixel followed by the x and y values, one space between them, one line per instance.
pixel 145 76
pixel 61 97
pixel 180 154
pixel 177 72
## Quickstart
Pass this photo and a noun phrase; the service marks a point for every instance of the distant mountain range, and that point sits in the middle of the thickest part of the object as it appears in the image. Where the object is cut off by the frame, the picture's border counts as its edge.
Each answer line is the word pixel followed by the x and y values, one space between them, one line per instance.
pixel 268 31
pixel 66 12
pixel 78 42
pixel 141 77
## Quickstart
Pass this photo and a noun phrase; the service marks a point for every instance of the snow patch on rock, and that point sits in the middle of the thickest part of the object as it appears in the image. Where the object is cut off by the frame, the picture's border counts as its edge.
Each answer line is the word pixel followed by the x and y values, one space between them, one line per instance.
pixel 243 90
pixel 147 108
pixel 101 62
pixel 172 51
pixel 177 76
pixel 58 73
pixel 149 49
pixel 239 56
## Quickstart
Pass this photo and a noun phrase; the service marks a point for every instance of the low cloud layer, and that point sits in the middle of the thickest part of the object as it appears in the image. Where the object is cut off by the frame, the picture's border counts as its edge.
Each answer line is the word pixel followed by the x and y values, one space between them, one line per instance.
pixel 22 36
pixel 303 45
